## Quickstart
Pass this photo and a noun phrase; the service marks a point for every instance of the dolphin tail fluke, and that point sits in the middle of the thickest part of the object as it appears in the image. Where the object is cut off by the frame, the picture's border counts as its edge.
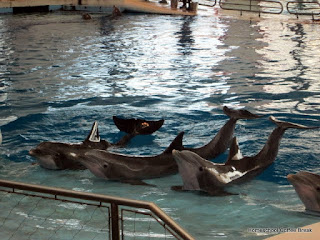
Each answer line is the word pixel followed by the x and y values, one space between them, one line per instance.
pixel 286 125
pixel 234 152
pixel 176 143
pixel 137 126
pixel 239 114
pixel 94 133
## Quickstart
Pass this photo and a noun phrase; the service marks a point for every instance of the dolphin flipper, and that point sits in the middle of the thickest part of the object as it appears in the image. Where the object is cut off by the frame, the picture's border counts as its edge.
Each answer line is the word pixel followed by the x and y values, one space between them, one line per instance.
pixel 137 126
pixel 286 125
pixel 239 114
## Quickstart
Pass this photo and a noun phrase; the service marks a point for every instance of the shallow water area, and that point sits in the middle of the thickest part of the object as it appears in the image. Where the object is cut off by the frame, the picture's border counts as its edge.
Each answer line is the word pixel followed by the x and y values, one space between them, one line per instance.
pixel 59 73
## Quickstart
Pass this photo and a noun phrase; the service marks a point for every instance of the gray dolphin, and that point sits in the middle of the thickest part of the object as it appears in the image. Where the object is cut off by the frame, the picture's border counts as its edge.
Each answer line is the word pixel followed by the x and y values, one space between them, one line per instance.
pixel 307 186
pixel 114 166
pixel 221 141
pixel 202 175
pixel 129 168
pixel 57 155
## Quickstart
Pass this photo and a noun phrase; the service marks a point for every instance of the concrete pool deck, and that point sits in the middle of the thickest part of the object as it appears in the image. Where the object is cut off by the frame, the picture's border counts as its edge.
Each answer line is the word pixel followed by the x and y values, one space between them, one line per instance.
pixel 309 232
pixel 142 6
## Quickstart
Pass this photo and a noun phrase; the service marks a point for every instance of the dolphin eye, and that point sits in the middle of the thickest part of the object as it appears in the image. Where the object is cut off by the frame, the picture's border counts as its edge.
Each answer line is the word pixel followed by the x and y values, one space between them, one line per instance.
pixel 318 189
pixel 105 166
pixel 200 169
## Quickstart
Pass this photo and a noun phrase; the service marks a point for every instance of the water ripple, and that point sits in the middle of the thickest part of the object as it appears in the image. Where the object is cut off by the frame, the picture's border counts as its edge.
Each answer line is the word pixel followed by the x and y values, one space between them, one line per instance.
pixel 58 74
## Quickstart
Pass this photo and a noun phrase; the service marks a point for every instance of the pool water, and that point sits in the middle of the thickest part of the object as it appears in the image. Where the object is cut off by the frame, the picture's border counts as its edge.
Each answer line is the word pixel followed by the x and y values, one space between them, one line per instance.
pixel 59 73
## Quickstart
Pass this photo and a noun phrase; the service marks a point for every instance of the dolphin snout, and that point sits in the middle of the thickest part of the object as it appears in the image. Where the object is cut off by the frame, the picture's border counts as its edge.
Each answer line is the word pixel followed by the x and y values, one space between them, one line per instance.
pixel 33 152
pixel 293 179
pixel 290 176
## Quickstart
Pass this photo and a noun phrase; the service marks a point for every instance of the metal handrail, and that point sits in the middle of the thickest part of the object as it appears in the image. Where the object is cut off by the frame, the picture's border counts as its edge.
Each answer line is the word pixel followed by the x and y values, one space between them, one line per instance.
pixel 115 202
pixel 208 3
pixel 308 8
pixel 251 5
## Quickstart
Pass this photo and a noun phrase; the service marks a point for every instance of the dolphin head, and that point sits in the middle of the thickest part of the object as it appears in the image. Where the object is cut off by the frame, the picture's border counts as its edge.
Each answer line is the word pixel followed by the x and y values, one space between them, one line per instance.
pixel 48 154
pixel 98 162
pixel 200 174
pixel 57 155
pixel 189 165
pixel 307 186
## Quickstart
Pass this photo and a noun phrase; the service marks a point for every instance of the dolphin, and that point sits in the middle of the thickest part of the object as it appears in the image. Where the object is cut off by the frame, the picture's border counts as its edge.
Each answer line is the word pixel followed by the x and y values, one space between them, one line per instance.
pixel 200 174
pixel 130 168
pixel 0 137
pixel 221 141
pixel 307 186
pixel 115 166
pixel 57 155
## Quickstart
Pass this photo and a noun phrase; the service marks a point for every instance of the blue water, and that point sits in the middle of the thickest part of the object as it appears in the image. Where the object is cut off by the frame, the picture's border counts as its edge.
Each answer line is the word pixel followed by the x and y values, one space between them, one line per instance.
pixel 60 73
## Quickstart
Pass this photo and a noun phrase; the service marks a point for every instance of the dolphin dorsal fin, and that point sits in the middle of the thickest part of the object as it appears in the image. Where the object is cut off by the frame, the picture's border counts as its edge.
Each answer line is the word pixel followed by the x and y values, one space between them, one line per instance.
pixel 234 152
pixel 175 144
pixel 94 133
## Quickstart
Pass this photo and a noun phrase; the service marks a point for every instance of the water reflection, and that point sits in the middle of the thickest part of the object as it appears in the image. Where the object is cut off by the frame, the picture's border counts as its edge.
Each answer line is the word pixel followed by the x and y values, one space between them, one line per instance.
pixel 242 65
pixel 289 60
pixel 185 36
pixel 36 54
pixel 64 72
pixel 300 68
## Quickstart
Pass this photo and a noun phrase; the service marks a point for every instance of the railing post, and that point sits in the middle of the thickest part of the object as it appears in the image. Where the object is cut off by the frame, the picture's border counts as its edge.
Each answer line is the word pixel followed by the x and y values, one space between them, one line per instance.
pixel 115 222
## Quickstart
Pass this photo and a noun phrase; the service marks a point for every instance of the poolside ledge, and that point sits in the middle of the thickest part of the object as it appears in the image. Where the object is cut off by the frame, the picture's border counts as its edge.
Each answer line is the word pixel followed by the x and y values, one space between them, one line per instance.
pixel 310 232
pixel 141 6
